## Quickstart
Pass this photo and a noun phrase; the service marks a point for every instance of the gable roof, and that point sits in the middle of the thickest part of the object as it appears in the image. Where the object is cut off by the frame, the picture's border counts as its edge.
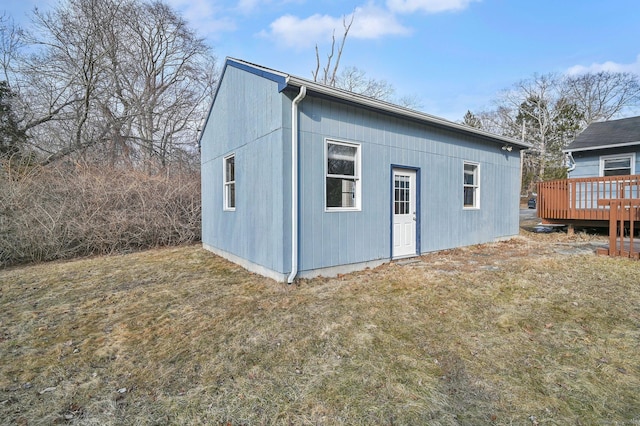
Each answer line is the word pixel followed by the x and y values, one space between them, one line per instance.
pixel 286 80
pixel 607 134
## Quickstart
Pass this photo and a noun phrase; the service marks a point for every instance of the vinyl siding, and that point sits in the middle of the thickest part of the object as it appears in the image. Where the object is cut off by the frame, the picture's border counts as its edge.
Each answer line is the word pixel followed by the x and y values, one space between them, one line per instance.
pixel 247 119
pixel 335 238
pixel 588 162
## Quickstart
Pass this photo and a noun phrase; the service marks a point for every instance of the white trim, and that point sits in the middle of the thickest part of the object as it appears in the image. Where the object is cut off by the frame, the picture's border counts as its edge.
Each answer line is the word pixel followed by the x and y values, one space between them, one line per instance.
pixel 476 186
pixel 379 105
pixel 397 250
pixel 594 148
pixel 357 178
pixel 630 155
pixel 396 109
pixel 225 199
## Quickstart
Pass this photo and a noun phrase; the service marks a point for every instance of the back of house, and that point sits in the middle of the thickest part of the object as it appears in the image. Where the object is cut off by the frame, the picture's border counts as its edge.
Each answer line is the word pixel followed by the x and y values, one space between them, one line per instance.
pixel 607 148
pixel 603 164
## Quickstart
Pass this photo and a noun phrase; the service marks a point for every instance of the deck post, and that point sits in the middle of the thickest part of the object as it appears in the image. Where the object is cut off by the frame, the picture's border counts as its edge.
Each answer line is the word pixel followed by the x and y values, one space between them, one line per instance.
pixel 570 230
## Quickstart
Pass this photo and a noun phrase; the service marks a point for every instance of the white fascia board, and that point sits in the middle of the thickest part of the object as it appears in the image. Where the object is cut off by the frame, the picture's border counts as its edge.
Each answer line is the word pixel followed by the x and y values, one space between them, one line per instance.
pixel 398 110
pixel 598 147
pixel 285 80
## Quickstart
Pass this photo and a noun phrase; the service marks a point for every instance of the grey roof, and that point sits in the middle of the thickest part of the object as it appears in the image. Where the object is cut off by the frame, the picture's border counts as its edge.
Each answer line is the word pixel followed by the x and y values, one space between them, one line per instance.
pixel 607 134
pixel 284 80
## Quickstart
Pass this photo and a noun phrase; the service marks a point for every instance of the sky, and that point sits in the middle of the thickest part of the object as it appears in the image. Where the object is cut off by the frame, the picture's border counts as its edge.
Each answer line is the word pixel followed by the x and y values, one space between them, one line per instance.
pixel 450 55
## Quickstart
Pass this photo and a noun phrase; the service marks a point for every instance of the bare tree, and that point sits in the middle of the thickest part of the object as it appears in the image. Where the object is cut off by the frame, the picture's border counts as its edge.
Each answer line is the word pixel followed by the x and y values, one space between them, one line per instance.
pixel 75 52
pixel 537 110
pixel 162 84
pixel 355 80
pixel 329 73
pixel 550 110
pixel 352 78
pixel 113 79
pixel 411 101
pixel 10 44
pixel 603 95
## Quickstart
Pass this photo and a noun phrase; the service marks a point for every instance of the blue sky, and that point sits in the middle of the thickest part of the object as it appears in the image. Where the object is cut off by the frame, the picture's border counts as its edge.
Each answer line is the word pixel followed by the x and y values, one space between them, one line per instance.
pixel 452 55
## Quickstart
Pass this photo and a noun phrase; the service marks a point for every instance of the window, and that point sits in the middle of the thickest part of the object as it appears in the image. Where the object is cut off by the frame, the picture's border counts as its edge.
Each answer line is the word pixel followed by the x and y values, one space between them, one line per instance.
pixel 229 182
pixel 617 165
pixel 343 176
pixel 471 185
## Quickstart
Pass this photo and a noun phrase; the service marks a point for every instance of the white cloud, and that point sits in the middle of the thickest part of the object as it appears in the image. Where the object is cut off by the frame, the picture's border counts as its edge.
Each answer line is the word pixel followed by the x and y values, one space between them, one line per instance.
pixel 373 22
pixel 611 66
pixel 302 33
pixel 428 6
pixel 247 6
pixel 257 6
pixel 370 22
pixel 201 14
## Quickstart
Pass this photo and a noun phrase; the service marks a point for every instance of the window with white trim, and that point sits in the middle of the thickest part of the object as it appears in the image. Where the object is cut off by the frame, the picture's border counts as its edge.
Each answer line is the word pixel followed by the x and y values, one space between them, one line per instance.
pixel 229 190
pixel 342 183
pixel 471 185
pixel 617 165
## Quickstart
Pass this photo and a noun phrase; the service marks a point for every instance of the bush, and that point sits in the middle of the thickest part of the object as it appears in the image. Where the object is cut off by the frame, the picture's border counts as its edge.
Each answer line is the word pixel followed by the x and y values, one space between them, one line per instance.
pixel 64 211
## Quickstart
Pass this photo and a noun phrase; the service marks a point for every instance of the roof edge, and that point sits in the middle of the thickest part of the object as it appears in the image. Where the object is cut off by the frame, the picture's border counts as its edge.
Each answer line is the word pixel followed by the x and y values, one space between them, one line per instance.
pixel 599 147
pixel 269 74
pixel 284 80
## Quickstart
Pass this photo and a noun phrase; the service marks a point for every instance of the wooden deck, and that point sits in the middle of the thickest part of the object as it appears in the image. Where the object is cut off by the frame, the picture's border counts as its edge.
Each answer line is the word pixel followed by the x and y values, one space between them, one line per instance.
pixel 575 201
pixel 612 201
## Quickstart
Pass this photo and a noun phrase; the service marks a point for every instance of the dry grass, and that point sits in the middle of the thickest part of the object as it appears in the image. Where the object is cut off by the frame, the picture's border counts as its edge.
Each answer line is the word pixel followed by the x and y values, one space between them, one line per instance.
pixel 504 333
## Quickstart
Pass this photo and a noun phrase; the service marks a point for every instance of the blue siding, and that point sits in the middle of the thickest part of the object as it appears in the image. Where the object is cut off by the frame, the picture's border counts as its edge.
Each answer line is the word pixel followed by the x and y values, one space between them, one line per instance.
pixel 336 238
pixel 247 119
pixel 588 162
pixel 251 119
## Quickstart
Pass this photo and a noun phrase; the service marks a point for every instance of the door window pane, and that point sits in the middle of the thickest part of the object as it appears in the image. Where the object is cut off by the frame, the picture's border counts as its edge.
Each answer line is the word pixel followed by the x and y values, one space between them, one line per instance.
pixel 401 192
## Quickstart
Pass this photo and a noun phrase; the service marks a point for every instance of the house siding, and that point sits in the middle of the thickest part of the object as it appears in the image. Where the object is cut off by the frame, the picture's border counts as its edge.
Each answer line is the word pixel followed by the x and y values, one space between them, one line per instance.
pixel 588 162
pixel 328 239
pixel 247 119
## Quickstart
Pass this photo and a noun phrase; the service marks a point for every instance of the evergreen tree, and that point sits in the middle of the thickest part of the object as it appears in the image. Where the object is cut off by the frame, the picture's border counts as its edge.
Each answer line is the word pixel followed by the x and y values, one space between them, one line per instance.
pixel 12 137
pixel 471 120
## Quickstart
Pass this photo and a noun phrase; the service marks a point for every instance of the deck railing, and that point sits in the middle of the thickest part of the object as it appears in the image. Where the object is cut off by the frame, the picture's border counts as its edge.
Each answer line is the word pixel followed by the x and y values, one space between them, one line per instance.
pixel 578 199
pixel 623 213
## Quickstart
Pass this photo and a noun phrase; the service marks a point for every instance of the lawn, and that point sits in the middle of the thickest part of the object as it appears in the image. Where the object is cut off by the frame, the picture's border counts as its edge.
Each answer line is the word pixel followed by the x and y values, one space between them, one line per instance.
pixel 532 331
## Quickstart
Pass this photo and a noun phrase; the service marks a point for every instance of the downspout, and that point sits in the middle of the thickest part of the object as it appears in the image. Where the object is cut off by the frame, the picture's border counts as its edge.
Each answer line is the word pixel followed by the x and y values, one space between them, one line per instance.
pixel 294 183
pixel 571 163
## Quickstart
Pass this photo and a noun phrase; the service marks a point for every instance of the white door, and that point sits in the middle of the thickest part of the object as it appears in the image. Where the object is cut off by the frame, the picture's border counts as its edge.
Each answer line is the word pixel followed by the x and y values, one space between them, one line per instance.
pixel 404 212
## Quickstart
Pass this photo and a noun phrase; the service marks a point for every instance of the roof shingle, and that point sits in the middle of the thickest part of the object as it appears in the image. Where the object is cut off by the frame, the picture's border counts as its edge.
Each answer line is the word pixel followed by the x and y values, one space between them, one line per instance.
pixel 607 134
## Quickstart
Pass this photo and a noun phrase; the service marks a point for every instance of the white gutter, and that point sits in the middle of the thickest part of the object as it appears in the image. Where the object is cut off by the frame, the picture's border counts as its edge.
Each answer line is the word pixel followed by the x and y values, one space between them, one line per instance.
pixel 396 109
pixel 294 183
pixel 311 86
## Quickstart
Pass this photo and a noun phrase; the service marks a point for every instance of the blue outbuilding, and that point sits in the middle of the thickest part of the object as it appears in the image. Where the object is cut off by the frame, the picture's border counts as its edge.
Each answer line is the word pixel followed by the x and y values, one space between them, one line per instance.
pixel 300 179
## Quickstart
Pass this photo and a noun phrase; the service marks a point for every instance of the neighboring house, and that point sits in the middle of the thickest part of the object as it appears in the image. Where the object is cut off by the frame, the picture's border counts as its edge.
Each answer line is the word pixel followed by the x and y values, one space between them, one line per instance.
pixel 300 179
pixel 603 164
pixel 608 148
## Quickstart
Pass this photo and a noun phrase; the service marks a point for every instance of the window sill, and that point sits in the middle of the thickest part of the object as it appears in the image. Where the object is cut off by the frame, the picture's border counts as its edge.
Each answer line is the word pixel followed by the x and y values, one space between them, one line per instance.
pixel 339 209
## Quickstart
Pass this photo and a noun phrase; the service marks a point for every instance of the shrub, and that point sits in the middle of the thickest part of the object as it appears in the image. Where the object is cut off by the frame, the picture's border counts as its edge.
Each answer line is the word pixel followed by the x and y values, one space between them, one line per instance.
pixel 65 211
